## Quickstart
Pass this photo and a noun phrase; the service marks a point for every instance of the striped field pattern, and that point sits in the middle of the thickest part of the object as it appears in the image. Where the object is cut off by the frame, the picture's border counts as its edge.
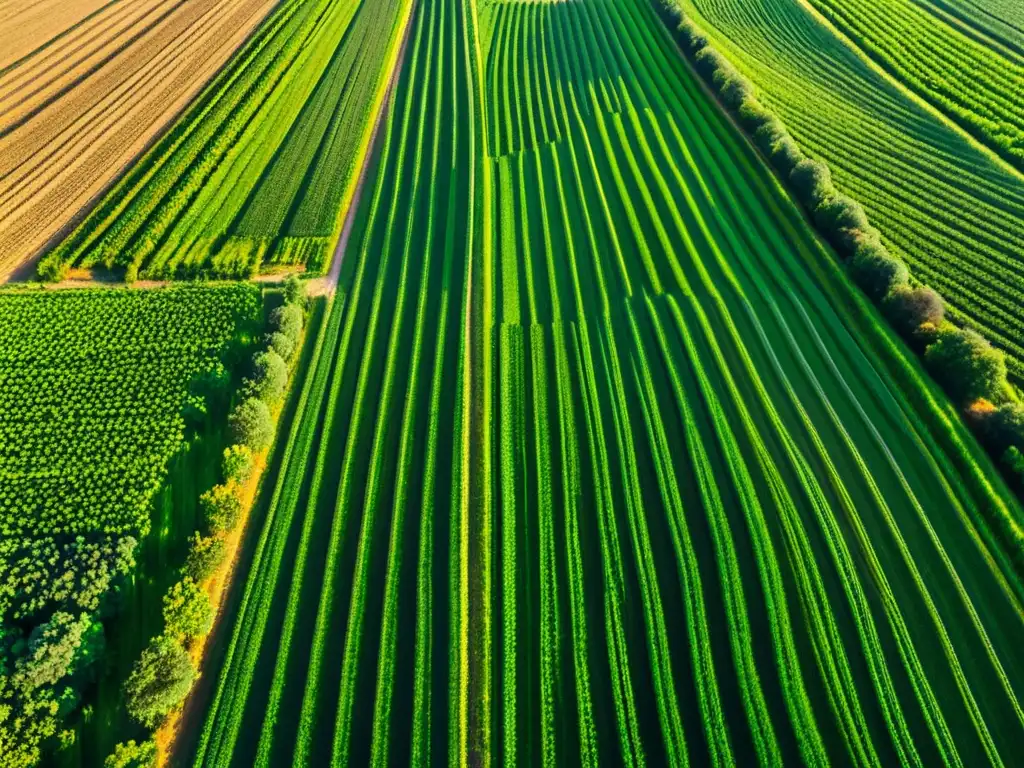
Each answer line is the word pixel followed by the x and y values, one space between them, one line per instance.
pixel 946 208
pixel 600 460
pixel 258 172
pixel 85 86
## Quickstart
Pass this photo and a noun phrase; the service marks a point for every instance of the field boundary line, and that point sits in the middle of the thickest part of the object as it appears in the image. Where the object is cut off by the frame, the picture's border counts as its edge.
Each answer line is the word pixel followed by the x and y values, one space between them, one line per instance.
pixel 905 90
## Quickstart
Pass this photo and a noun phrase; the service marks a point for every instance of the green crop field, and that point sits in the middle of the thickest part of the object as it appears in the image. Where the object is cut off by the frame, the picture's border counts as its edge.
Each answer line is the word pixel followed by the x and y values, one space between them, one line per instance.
pixel 975 80
pixel 998 22
pixel 951 212
pixel 600 459
pixel 92 389
pixel 256 173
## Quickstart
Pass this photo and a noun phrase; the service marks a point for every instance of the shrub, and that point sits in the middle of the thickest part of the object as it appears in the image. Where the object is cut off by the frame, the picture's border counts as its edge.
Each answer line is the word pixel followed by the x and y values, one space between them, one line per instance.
pixel 812 182
pixel 753 116
pixel 131 755
pixel 281 344
pixel 288 320
pixel 187 610
pixel 237 464
pixel 877 271
pixel 709 62
pixel 839 212
pixel 1003 427
pixel 768 135
pixel 53 270
pixel 908 309
pixel 55 650
pixel 734 90
pixel 270 377
pixel 159 682
pixel 221 509
pixel 966 365
pixel 295 291
pixel 205 555
pixel 250 424
pixel 785 155
pixel 691 37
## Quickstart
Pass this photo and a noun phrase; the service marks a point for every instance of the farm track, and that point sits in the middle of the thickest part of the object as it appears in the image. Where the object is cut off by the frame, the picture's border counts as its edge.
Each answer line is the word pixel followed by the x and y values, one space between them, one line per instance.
pixel 78 108
pixel 600 458
pixel 947 209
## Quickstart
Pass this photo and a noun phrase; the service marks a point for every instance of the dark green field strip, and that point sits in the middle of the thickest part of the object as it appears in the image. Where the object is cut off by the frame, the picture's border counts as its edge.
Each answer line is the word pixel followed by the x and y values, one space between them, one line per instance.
pixel 359 654
pixel 258 170
pixel 950 212
pixel 826 467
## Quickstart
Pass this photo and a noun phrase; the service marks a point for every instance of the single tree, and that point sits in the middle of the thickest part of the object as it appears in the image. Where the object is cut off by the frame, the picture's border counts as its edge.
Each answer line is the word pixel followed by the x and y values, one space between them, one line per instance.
pixel 288 320
pixel 187 610
pixel 966 365
pixel 877 271
pixel 205 555
pixel 281 344
pixel 159 682
pixel 295 291
pixel 269 378
pixel 221 508
pixel 237 464
pixel 131 755
pixel 251 424
pixel 909 308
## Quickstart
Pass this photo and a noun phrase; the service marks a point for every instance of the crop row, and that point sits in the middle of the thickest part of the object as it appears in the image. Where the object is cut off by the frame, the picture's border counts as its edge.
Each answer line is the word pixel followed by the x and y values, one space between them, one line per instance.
pixel 973 83
pixel 785 438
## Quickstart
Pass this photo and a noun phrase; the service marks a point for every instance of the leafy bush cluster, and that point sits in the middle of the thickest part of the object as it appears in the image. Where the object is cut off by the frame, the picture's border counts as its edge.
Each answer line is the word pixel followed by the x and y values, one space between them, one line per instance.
pixel 961 360
pixel 94 388
pixel 164 674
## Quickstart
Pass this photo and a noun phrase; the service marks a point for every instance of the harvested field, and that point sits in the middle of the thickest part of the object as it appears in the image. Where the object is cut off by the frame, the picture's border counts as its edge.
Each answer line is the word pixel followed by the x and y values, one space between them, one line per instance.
pixel 85 87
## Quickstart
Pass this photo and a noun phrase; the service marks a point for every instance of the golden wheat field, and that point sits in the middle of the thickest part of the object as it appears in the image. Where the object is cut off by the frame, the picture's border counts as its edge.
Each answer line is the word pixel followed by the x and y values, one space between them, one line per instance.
pixel 84 87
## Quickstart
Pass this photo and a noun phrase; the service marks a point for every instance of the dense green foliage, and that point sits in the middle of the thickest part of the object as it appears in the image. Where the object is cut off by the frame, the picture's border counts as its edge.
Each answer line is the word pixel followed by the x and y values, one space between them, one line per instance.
pixel 221 508
pixel 205 556
pixel 187 611
pixel 966 364
pixel 257 171
pixel 237 464
pixel 92 389
pixel 132 755
pixel 251 424
pixel 601 458
pixel 160 681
